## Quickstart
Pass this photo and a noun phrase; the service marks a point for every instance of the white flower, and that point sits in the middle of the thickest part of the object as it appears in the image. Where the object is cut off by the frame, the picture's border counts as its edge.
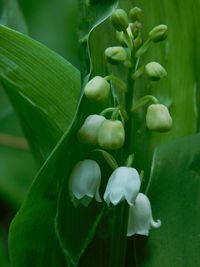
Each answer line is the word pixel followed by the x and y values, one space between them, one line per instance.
pixel 88 132
pixel 140 217
pixel 124 183
pixel 84 182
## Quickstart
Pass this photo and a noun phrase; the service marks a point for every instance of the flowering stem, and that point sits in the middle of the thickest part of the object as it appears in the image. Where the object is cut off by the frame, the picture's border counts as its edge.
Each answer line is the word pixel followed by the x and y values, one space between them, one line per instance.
pixel 120 221
pixel 106 111
pixel 143 101
pixel 118 81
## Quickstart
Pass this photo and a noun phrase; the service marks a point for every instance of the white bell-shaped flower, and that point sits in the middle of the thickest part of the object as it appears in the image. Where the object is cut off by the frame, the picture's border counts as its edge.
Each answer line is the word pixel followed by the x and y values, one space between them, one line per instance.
pixel 140 217
pixel 84 182
pixel 124 183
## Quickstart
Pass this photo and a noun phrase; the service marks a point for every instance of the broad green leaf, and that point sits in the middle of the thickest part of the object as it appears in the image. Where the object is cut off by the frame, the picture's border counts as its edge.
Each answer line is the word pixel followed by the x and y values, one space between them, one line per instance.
pixel 43 87
pixel 174 191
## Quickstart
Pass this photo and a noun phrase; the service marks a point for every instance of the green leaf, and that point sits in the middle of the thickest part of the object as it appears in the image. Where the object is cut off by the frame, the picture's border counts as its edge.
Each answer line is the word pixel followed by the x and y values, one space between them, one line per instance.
pixel 174 192
pixel 43 87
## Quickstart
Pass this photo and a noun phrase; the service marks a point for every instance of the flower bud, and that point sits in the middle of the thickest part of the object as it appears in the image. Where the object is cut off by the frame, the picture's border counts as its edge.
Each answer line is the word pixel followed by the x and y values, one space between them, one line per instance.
pixel 155 71
pixel 135 28
pixel 140 217
pixel 88 132
pixel 158 118
pixel 111 134
pixel 124 183
pixel 135 14
pixel 116 54
pixel 84 182
pixel 159 33
pixel 119 20
pixel 120 38
pixel 97 89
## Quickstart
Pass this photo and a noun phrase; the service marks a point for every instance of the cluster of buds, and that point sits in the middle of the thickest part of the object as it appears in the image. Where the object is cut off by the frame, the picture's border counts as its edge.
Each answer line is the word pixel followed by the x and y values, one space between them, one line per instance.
pixel 109 134
pixel 97 130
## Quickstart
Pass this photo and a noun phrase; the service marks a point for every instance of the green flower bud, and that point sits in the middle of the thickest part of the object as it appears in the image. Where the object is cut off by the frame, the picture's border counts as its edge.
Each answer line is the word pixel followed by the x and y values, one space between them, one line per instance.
pixel 155 71
pixel 111 134
pixel 158 118
pixel 116 54
pixel 159 33
pixel 135 14
pixel 87 134
pixel 97 89
pixel 119 20
pixel 120 38
pixel 135 28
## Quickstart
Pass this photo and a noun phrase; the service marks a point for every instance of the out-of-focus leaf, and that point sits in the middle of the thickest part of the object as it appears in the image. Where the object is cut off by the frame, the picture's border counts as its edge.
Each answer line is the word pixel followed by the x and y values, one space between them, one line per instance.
pixel 4 262
pixel 54 24
pixel 17 170
pixel 11 16
pixel 17 166
pixel 43 87
pixel 174 191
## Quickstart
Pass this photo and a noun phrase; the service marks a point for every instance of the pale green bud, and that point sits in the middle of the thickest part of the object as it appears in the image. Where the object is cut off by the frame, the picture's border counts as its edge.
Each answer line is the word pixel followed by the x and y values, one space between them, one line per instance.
pixel 159 33
pixel 111 134
pixel 116 54
pixel 87 134
pixel 155 71
pixel 97 89
pixel 119 20
pixel 135 14
pixel 158 118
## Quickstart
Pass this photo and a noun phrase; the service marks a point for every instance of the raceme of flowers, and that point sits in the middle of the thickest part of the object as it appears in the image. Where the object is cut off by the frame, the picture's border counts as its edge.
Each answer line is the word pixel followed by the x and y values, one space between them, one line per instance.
pixel 106 130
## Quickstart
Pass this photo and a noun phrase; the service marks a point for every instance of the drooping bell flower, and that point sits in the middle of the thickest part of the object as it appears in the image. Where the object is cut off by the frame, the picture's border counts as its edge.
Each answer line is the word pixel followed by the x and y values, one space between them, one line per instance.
pixel 97 89
pixel 158 118
pixel 84 182
pixel 140 217
pixel 87 134
pixel 111 135
pixel 124 184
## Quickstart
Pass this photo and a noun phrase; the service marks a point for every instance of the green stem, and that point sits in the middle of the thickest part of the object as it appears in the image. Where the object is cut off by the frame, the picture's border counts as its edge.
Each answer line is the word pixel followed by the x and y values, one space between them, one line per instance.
pixel 128 41
pixel 118 81
pixel 138 73
pixel 106 111
pixel 120 222
pixel 143 48
pixel 143 101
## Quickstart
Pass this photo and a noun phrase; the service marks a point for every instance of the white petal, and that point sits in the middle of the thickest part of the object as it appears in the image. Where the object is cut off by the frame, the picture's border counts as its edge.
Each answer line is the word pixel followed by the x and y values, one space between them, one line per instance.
pixel 85 179
pixel 140 217
pixel 124 183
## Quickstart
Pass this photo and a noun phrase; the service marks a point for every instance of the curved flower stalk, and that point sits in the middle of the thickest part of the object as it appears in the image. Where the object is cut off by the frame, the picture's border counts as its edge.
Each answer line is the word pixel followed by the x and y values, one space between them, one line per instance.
pixel 124 183
pixel 84 182
pixel 140 217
